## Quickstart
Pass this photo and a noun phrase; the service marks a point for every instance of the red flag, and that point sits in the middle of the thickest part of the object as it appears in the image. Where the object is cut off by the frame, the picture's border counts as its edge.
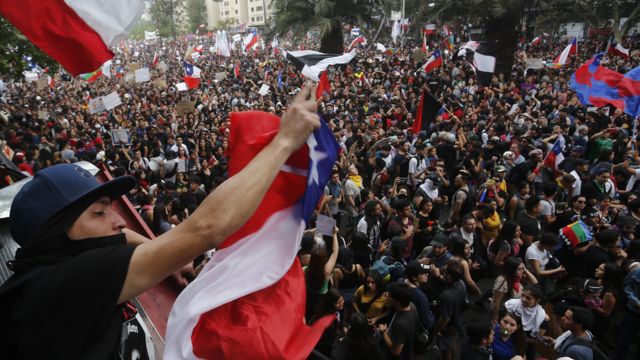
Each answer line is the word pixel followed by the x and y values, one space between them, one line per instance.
pixel 77 34
pixel 356 41
pixel 424 43
pixel 236 70
pixel 323 85
pixel 192 82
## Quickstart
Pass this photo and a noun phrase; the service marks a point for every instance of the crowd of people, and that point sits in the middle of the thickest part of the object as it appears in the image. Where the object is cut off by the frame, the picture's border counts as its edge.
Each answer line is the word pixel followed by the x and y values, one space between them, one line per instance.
pixel 450 232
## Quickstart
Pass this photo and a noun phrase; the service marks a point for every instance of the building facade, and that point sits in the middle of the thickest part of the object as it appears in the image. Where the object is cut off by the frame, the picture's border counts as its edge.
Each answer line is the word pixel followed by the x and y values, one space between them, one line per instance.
pixel 253 13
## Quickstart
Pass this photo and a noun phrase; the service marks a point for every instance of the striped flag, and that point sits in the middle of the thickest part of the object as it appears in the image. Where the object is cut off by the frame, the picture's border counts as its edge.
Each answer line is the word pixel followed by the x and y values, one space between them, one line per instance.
pixel 92 76
pixel 434 62
pixel 428 109
pixel 576 234
pixel 570 49
pixel 355 42
pixel 76 33
pixel 312 63
pixel 536 41
pixel 554 156
pixel 235 308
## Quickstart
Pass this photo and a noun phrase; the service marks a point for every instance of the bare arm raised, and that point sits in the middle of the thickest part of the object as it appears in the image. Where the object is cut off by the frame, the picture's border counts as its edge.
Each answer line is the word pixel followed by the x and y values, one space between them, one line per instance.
pixel 226 209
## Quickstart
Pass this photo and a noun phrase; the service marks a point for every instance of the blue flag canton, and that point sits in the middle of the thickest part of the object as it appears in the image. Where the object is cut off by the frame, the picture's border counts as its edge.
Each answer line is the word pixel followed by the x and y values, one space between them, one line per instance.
pixel 323 153
pixel 188 69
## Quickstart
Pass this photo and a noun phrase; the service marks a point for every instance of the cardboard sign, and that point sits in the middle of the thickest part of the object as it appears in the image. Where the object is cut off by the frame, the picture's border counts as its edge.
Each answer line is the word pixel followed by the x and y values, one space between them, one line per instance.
pixel 130 77
pixel 185 107
pixel 418 55
pixel 133 67
pixel 220 76
pixel 41 84
pixel 120 136
pixel 160 83
pixel 534 63
pixel 111 101
pixel 142 75
pixel 96 106
pixel 43 115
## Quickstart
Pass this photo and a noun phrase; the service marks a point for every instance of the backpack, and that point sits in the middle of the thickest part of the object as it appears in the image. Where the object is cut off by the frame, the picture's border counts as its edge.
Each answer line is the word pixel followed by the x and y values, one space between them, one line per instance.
pixel 598 350
pixel 386 270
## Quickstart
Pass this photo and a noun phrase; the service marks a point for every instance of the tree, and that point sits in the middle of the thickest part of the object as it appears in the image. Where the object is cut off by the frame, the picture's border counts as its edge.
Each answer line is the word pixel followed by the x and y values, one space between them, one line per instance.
pixel 196 13
pixel 14 46
pixel 327 16
pixel 162 16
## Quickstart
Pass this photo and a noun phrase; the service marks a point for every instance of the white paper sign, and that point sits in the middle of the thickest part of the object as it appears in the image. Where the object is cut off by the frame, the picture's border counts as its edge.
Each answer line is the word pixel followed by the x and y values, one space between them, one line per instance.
pixel 325 225
pixel 120 136
pixel 112 100
pixel 96 106
pixel 236 38
pixel 129 77
pixel 264 90
pixel 142 75
pixel 182 86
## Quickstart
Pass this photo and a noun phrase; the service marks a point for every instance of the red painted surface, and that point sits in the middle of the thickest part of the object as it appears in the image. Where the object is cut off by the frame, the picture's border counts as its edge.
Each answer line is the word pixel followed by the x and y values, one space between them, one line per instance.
pixel 157 301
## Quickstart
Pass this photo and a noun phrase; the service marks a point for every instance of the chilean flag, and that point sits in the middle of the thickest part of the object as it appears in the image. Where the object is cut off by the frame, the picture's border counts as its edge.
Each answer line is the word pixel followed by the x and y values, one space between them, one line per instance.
pixel 249 300
pixel 76 33
pixel 536 41
pixel 192 78
pixel 434 61
pixel 251 40
pixel 355 42
pixel 554 156
pixel 614 49
pixel 571 49
pixel 429 29
pixel 323 85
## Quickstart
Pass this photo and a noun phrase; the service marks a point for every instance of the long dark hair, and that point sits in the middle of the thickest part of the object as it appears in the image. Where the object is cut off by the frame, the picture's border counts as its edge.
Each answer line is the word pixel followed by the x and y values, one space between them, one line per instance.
pixel 377 279
pixel 315 271
pixel 456 248
pixel 509 270
pixel 612 278
pixel 360 343
pixel 519 338
pixel 506 234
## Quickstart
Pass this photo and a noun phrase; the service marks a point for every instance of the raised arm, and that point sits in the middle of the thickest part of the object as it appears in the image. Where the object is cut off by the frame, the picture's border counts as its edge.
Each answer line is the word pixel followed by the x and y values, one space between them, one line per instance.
pixel 212 222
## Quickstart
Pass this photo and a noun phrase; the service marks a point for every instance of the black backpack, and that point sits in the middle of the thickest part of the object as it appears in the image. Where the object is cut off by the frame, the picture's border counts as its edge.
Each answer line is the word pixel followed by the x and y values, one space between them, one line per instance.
pixel 469 204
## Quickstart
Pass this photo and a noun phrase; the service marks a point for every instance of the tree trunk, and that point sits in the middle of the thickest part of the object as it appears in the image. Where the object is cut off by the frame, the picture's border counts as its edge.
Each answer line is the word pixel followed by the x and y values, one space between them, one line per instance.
pixel 333 41
pixel 503 33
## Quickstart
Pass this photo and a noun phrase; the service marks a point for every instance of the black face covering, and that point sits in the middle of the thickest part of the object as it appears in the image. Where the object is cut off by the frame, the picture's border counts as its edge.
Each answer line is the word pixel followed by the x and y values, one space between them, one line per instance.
pixel 58 248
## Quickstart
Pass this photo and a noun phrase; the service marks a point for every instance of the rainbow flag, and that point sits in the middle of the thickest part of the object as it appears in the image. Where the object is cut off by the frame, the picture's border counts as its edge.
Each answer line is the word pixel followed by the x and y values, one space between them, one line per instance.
pixel 576 234
pixel 92 76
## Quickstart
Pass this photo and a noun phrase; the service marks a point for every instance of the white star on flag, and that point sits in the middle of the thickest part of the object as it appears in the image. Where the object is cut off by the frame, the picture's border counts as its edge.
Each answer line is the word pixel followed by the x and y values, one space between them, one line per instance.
pixel 316 158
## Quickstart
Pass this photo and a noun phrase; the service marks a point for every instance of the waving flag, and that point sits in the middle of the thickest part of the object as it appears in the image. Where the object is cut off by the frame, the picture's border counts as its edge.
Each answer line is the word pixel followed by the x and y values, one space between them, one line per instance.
pixel 576 234
pixel 428 109
pixel 323 85
pixel 92 76
pixel 435 61
pixel 536 41
pixel 155 60
pixel 251 40
pixel 554 156
pixel 355 42
pixel 599 86
pixel 76 33
pixel 570 49
pixel 312 63
pixel 616 49
pixel 242 306
pixel 430 29
pixel 191 70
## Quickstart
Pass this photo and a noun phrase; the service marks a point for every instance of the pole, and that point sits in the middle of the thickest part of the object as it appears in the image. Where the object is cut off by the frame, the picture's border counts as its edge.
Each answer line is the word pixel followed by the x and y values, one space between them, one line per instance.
pixel 401 20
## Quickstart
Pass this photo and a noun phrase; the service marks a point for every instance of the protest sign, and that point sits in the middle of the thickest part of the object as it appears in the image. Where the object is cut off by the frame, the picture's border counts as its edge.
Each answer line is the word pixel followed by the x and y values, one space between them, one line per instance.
pixel 96 106
pixel 185 107
pixel 325 225
pixel 264 90
pixel 120 136
pixel 111 101
pixel 142 75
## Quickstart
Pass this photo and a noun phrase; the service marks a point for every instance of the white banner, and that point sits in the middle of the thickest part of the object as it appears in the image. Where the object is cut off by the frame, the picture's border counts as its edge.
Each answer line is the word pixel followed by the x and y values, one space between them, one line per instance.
pixel 96 106
pixel 150 35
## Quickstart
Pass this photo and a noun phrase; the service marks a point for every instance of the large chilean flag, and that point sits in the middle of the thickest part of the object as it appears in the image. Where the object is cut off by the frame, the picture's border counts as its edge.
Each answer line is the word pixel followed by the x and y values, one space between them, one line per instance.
pixel 249 301
pixel 76 33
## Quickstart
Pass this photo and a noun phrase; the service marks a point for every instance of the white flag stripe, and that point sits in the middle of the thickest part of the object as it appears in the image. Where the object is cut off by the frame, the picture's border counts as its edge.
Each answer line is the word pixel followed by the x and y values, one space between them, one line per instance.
pixel 313 72
pixel 113 20
pixel 484 63
pixel 236 266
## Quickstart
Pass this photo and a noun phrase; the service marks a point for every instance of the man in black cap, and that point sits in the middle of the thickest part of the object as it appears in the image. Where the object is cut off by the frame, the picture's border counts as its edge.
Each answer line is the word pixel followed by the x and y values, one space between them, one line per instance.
pixel 78 265
pixel 416 275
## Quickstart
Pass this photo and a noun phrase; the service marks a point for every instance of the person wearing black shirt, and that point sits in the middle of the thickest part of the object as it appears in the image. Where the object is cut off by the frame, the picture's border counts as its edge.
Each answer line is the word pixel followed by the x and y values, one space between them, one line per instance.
pixel 600 252
pixel 78 266
pixel 449 324
pixel 401 333
pixel 478 346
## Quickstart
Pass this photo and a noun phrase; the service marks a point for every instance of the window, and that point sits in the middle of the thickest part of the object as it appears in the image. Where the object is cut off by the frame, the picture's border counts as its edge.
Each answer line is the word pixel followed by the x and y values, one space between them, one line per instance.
pixel 253 19
pixel 236 12
pixel 259 8
pixel 251 9
pixel 226 12
pixel 259 18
